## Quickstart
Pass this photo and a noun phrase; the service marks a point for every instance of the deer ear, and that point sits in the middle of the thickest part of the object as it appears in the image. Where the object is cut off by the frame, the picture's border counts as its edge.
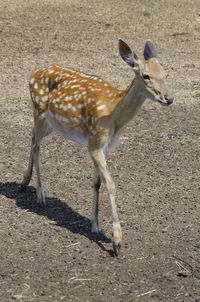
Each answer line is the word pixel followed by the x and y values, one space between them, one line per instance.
pixel 126 54
pixel 149 51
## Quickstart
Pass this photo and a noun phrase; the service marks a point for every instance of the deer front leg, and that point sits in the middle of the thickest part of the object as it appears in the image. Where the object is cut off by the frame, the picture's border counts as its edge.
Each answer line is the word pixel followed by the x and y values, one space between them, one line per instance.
pixel 100 165
pixel 94 218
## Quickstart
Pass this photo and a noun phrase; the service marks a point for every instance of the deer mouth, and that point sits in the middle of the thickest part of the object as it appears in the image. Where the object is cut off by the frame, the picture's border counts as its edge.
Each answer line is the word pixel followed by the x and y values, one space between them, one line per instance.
pixel 169 99
pixel 166 101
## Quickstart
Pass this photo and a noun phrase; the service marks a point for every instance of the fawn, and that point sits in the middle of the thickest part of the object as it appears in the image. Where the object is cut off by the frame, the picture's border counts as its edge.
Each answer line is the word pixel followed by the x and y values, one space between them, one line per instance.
pixel 86 109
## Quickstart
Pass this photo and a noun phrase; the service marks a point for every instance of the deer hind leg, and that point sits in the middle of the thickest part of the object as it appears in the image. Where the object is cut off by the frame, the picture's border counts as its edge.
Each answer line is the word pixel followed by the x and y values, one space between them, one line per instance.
pixel 29 171
pixel 40 130
pixel 94 218
pixel 100 165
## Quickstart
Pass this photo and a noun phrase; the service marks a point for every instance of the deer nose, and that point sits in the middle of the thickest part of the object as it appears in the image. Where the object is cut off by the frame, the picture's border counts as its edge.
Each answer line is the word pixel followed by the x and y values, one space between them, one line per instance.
pixel 169 99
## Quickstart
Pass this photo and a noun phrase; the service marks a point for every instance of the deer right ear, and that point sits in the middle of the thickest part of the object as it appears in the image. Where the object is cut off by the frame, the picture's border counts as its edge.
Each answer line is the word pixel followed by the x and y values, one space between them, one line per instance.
pixel 126 54
pixel 149 50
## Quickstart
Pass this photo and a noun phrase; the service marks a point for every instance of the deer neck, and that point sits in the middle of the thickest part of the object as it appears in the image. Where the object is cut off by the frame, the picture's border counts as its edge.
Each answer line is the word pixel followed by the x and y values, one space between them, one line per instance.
pixel 130 102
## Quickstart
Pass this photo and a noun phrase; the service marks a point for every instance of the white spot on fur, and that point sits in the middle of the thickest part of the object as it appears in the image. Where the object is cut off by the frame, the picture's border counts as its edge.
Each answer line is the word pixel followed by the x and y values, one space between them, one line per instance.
pixel 101 107
pixel 80 106
pixel 42 105
pixel 74 86
pixel 35 85
pixel 45 98
pixel 68 98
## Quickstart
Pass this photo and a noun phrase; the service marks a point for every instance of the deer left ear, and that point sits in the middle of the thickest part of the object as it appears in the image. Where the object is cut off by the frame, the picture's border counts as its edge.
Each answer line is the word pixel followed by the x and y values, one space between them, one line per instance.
pixel 126 54
pixel 149 51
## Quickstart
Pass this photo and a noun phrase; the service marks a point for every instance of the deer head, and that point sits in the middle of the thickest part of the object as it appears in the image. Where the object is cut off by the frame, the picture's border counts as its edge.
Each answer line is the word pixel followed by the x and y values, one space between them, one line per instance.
pixel 150 75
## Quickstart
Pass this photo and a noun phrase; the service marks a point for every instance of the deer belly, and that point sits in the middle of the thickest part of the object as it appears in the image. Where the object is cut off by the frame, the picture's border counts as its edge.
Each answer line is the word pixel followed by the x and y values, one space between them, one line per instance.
pixel 69 131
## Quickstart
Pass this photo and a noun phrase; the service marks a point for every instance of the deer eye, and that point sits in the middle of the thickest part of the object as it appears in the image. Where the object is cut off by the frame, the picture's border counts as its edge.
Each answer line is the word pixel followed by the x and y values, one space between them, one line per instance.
pixel 146 77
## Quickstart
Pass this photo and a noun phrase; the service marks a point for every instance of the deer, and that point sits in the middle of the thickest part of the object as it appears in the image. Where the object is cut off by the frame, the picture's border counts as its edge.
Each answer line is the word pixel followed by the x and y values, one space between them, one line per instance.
pixel 87 109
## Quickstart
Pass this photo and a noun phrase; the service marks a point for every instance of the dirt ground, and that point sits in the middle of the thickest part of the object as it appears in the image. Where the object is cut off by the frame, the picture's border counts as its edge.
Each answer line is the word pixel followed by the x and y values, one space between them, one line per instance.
pixel 50 254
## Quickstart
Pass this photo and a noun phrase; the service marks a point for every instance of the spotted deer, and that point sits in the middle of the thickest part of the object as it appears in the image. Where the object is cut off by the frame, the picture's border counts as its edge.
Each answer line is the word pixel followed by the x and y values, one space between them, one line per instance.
pixel 86 109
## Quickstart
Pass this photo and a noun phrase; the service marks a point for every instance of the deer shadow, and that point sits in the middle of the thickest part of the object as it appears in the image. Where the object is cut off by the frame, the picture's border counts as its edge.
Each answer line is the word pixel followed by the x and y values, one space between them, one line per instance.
pixel 56 210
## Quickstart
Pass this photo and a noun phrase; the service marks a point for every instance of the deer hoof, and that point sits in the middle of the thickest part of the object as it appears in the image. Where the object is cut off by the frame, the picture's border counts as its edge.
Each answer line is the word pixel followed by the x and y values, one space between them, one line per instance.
pixel 41 202
pixel 116 248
